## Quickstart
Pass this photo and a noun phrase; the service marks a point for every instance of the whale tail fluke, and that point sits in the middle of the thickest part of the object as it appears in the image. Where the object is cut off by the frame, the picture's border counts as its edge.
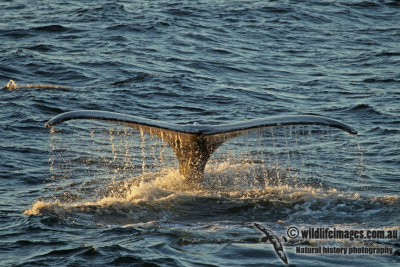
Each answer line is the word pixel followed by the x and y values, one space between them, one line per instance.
pixel 194 144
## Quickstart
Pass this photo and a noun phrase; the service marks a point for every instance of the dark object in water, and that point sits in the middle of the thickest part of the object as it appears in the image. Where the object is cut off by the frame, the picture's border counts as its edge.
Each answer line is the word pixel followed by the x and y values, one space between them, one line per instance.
pixel 11 85
pixel 194 144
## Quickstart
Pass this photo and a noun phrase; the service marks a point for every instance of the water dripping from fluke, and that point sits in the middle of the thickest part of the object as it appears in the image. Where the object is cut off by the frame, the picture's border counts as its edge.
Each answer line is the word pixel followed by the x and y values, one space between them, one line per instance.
pixel 194 144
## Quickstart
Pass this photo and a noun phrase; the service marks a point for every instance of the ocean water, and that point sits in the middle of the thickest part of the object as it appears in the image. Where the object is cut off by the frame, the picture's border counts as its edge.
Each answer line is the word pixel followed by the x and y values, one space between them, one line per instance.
pixel 88 193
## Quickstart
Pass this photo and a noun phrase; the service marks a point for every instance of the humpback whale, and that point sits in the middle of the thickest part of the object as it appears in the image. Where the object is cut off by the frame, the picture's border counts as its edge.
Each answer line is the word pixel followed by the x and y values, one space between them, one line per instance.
pixel 194 144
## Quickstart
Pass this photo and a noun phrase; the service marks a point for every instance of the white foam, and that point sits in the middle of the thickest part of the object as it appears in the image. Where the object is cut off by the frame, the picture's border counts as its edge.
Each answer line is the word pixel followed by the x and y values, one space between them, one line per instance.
pixel 159 191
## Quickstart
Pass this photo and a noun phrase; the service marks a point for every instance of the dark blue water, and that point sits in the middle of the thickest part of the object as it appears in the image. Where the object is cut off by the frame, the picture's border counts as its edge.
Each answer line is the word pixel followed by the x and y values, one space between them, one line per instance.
pixel 88 194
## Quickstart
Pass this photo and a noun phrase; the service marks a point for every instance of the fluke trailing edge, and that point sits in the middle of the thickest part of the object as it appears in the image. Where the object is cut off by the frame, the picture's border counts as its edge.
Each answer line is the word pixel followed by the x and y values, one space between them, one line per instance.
pixel 194 144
